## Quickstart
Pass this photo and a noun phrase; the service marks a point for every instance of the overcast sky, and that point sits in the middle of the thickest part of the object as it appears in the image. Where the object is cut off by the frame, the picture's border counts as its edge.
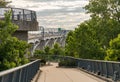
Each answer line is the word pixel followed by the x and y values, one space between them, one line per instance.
pixel 56 13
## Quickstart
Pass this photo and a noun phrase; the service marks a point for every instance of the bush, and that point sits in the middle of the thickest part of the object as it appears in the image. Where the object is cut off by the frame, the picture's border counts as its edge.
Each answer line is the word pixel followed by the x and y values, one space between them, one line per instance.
pixel 68 63
pixel 43 62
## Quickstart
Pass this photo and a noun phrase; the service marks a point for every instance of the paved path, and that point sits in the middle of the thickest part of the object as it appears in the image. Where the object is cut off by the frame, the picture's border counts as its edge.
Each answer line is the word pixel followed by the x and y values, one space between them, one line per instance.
pixel 53 74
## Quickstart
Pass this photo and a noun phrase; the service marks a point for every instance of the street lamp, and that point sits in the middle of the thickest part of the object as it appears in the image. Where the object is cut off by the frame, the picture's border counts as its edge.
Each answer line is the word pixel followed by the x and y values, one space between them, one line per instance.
pixel 43 31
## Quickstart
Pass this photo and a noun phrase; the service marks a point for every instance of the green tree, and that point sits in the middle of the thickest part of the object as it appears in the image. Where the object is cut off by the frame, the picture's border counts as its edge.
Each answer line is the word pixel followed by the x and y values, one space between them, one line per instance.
pixel 84 43
pixel 108 13
pixel 12 50
pixel 38 52
pixel 3 3
pixel 104 8
pixel 70 42
pixel 113 53
pixel 47 50
pixel 107 19
pixel 57 50
pixel 91 38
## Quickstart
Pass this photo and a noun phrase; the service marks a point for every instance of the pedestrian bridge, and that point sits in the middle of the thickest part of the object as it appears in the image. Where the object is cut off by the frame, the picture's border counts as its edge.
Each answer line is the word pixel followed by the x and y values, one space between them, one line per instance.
pixel 52 73
pixel 83 70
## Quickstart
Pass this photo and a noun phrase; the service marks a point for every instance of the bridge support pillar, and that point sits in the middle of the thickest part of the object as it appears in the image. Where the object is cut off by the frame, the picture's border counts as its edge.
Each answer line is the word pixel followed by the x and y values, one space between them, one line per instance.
pixel 62 41
pixel 51 43
pixel 41 45
pixel 31 49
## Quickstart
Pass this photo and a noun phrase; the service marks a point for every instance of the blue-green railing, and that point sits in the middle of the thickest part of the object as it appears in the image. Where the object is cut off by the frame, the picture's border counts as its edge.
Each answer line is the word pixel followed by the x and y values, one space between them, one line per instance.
pixel 23 73
pixel 108 69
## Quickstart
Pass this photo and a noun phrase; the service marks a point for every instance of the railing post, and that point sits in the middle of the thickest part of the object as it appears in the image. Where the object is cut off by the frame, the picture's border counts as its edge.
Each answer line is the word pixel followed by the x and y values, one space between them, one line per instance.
pixel 2 79
pixel 106 69
pixel 23 15
pixel 115 76
pixel 35 15
pixel 12 13
pixel 31 14
pixel 89 68
pixel 25 74
pixel 20 75
pixel 13 77
pixel 101 69
pixel 78 63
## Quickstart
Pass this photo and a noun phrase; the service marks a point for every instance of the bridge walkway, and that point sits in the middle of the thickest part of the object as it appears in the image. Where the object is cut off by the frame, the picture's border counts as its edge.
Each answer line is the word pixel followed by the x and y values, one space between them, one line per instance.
pixel 54 74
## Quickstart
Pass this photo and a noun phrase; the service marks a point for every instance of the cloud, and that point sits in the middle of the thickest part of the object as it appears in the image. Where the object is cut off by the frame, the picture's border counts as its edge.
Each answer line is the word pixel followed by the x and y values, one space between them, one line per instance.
pixel 56 13
pixel 68 21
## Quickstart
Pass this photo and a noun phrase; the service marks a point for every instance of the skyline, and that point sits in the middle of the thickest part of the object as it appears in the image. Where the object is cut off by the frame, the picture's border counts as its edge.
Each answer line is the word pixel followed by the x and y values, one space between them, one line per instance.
pixel 56 13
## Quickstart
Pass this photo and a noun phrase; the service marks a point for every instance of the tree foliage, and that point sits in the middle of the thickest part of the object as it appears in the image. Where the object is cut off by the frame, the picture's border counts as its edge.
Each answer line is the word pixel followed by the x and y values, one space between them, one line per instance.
pixel 91 38
pixel 3 3
pixel 12 50
pixel 57 50
pixel 104 8
pixel 113 52
pixel 47 50
pixel 83 43
pixel 70 42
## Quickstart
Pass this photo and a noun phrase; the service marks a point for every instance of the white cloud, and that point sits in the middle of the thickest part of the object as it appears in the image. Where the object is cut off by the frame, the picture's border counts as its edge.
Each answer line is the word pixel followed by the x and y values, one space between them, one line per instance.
pixel 56 13
pixel 48 5
pixel 67 21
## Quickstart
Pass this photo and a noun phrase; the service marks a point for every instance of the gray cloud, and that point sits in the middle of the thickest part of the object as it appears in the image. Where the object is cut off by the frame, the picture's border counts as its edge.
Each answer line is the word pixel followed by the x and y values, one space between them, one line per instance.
pixel 53 0
pixel 56 13
pixel 62 10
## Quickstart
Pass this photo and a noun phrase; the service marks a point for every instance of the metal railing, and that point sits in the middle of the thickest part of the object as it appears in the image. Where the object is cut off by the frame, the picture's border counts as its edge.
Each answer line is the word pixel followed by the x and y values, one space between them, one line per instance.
pixel 18 14
pixel 23 73
pixel 108 69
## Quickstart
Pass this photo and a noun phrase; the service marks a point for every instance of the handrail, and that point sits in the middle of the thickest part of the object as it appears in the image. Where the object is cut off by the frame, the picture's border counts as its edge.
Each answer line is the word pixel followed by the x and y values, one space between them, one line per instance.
pixel 106 69
pixel 15 69
pixel 23 73
pixel 94 60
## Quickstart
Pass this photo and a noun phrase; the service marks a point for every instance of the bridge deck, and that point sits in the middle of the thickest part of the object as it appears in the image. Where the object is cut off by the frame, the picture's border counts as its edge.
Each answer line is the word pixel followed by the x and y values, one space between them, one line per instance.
pixel 53 74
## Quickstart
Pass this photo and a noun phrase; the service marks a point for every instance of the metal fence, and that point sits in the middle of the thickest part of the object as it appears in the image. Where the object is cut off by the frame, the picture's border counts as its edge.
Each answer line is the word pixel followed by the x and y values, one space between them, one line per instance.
pixel 23 73
pixel 19 14
pixel 108 69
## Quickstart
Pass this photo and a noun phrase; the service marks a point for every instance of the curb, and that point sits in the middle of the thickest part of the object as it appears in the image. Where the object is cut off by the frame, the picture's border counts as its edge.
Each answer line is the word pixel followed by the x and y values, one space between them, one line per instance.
pixel 36 77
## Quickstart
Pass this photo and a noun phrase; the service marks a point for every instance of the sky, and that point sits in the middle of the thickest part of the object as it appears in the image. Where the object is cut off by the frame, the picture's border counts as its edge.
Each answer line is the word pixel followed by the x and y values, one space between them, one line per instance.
pixel 66 14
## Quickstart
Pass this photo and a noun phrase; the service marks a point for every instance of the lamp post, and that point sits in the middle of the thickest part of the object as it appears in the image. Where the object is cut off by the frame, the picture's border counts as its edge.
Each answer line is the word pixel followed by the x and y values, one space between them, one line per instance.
pixel 43 31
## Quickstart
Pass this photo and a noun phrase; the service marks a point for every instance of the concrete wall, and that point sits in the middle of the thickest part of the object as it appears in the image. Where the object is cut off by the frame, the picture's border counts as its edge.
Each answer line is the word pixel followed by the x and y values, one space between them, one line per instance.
pixel 27 25
pixel 21 35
